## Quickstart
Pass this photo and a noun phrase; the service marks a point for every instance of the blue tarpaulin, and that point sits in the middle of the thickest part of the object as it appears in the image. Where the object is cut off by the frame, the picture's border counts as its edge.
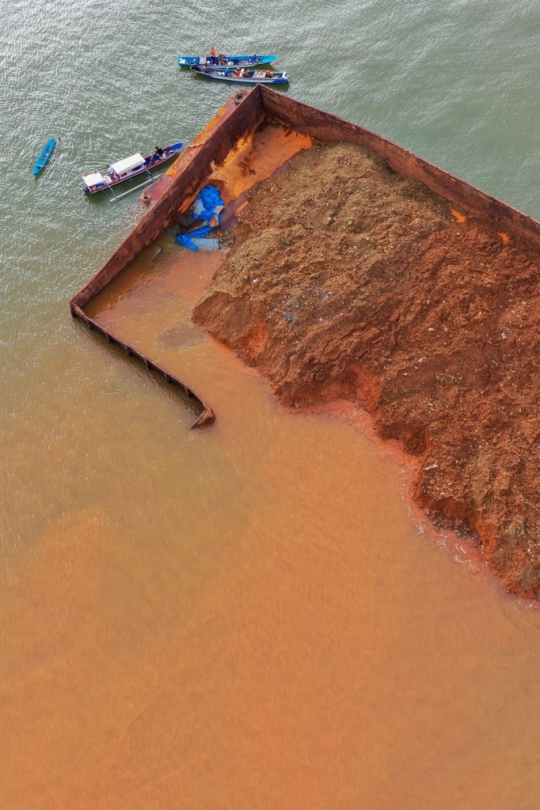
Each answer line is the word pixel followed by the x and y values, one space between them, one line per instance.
pixel 185 238
pixel 207 207
pixel 208 204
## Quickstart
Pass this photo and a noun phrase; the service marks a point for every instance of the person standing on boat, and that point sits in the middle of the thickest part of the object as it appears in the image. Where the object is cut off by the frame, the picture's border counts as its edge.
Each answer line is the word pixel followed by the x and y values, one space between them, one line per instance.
pixel 213 55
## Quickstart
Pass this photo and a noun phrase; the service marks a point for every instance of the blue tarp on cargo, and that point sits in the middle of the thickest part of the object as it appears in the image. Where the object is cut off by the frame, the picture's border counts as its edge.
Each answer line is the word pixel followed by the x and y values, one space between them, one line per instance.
pixel 207 207
pixel 208 204
pixel 185 239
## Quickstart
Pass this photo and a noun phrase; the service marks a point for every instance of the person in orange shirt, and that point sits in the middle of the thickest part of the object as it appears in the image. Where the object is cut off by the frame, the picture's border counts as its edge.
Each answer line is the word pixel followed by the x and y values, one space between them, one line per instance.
pixel 213 55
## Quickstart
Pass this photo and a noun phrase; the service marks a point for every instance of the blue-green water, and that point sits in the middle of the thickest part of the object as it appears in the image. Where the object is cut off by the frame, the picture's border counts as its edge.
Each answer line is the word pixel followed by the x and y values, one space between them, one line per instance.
pixel 454 83
pixel 112 509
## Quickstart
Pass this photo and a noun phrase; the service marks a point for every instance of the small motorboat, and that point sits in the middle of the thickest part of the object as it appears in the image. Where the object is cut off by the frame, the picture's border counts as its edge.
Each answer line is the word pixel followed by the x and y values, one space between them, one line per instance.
pixel 128 168
pixel 242 75
pixel 227 61
pixel 44 156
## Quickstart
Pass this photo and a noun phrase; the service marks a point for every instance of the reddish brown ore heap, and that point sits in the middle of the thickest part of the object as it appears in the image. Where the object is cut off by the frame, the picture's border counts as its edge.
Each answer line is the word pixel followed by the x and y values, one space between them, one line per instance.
pixel 348 281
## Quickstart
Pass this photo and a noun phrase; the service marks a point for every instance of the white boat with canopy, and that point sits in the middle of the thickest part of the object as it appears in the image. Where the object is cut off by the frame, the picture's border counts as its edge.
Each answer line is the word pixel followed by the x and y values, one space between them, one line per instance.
pixel 129 167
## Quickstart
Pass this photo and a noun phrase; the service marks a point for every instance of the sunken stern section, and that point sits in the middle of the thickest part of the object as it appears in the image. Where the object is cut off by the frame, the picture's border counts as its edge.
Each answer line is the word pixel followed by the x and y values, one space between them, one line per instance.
pixel 172 196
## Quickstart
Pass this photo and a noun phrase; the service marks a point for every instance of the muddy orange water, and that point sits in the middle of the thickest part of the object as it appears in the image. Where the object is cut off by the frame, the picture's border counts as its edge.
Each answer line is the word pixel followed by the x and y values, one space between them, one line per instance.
pixel 249 615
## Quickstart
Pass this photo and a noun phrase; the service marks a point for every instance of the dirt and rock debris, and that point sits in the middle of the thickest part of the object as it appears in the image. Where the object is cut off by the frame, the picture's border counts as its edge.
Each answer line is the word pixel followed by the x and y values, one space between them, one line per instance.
pixel 347 281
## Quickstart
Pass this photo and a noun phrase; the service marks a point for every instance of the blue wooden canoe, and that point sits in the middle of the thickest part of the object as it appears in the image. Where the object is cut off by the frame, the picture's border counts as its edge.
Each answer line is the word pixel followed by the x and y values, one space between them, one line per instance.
pixel 228 61
pixel 44 157
pixel 242 75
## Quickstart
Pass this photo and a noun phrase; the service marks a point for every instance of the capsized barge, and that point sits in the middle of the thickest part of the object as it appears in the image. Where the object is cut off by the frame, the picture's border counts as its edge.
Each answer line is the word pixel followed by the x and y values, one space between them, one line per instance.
pixel 244 114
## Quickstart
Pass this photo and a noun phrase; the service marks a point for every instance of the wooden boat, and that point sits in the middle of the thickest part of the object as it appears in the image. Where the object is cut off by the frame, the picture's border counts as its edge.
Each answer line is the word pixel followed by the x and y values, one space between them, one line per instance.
pixel 128 168
pixel 228 61
pixel 44 156
pixel 242 75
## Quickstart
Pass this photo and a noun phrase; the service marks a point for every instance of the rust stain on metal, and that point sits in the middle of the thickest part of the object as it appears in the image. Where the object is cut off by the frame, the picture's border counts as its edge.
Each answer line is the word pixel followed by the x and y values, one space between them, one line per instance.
pixel 210 153
pixel 207 415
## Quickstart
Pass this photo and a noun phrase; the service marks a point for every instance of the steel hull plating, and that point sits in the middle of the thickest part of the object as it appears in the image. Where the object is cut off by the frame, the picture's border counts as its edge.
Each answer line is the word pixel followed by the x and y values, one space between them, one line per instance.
pixel 244 113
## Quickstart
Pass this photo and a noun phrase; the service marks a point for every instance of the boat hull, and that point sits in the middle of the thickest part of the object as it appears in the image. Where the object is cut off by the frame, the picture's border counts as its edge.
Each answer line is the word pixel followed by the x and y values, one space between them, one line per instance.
pixel 43 159
pixel 170 152
pixel 245 113
pixel 246 60
pixel 226 75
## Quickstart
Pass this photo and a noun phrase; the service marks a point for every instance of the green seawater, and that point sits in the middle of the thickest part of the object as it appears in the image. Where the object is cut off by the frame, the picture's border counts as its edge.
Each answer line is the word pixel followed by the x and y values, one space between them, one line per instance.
pixel 455 82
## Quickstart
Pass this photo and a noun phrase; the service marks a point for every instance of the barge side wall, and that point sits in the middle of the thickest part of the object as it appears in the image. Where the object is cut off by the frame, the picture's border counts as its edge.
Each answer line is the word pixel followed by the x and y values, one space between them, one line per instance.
pixel 330 128
pixel 190 170
pixel 233 121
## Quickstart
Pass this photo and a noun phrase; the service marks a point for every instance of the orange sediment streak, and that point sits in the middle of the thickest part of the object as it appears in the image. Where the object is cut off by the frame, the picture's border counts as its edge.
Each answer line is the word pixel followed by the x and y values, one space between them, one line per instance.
pixel 256 158
pixel 458 215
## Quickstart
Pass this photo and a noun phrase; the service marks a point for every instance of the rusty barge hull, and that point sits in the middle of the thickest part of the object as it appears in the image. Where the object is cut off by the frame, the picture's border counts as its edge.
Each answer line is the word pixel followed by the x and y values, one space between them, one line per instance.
pixel 243 114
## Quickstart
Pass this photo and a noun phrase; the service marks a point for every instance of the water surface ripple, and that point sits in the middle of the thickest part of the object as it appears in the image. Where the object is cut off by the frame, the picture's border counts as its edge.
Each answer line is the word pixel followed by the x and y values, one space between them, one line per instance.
pixel 249 616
